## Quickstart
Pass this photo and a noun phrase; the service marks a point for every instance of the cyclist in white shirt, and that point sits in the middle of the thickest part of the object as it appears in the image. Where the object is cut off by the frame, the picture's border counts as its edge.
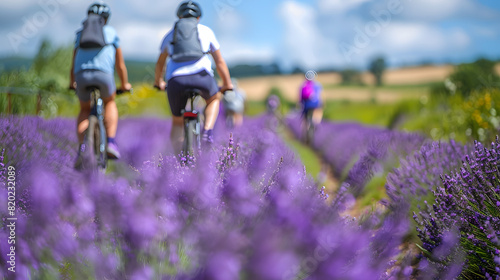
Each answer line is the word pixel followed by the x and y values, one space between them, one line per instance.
pixel 182 74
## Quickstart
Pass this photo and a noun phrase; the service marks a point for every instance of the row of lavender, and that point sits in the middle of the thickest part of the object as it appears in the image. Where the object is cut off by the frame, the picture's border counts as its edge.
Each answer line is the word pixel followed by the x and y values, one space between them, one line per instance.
pixel 459 225
pixel 245 209
pixel 356 152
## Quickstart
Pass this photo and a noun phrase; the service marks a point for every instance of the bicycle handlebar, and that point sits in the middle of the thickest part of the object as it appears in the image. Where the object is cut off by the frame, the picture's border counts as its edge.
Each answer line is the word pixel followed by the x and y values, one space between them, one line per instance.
pixel 118 91
pixel 224 92
pixel 122 91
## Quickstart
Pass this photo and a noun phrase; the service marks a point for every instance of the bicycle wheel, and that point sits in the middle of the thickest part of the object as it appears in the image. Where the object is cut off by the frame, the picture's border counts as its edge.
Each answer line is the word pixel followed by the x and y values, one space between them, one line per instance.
pixel 192 139
pixel 102 155
pixel 187 147
pixel 96 144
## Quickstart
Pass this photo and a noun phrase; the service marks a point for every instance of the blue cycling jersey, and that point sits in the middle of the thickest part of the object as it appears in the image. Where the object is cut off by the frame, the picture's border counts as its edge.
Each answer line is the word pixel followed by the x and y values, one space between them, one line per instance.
pixel 102 59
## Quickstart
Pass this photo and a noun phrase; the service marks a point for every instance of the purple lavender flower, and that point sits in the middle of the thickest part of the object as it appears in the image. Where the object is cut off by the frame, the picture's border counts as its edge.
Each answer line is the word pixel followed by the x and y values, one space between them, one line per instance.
pixel 246 206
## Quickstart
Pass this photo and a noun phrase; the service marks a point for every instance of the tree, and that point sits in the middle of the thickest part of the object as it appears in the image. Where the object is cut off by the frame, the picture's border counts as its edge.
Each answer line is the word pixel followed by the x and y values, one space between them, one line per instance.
pixel 42 57
pixel 377 68
pixel 351 77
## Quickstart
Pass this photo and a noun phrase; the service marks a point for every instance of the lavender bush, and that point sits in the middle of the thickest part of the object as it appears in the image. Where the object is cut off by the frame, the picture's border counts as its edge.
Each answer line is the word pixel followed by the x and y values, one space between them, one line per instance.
pixel 245 209
pixel 420 172
pixel 411 185
pixel 469 201
pixel 458 223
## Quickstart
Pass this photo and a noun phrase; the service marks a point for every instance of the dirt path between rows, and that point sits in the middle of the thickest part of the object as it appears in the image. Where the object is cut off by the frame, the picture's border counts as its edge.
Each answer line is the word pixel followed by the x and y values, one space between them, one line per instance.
pixel 325 177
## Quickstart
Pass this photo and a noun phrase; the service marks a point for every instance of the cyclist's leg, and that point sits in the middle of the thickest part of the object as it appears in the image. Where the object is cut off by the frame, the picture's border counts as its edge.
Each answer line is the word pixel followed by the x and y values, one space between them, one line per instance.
pixel 177 133
pixel 111 125
pixel 212 111
pixel 107 88
pixel 83 80
pixel 317 115
pixel 176 88
pixel 82 120
pixel 110 116
pixel 303 116
pixel 238 119
pixel 212 96
pixel 82 123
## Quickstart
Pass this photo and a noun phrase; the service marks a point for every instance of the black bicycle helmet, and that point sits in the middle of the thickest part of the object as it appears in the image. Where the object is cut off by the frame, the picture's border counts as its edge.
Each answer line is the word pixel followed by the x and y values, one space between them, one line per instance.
pixel 100 9
pixel 189 9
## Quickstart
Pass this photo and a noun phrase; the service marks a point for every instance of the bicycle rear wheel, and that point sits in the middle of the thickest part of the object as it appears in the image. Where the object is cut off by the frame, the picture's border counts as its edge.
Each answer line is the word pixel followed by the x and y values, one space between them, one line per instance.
pixel 192 139
pixel 96 143
pixel 187 148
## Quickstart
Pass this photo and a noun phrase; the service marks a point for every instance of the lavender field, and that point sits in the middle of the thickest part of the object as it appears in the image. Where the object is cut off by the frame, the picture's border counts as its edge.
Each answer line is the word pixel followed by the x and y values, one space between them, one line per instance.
pixel 246 208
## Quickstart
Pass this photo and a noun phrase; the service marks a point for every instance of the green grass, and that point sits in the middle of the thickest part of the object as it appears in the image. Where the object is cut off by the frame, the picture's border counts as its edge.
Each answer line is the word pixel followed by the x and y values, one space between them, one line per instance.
pixel 254 108
pixel 424 86
pixel 374 191
pixel 366 112
pixel 307 155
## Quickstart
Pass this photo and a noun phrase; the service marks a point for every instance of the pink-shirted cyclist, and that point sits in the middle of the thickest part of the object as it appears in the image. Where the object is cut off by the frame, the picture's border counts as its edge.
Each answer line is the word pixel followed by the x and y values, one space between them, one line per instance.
pixel 310 97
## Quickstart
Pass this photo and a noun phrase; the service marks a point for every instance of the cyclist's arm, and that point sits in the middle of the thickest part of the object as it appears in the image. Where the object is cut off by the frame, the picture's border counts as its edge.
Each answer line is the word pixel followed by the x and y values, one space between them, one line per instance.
pixel 121 69
pixel 160 70
pixel 71 73
pixel 222 70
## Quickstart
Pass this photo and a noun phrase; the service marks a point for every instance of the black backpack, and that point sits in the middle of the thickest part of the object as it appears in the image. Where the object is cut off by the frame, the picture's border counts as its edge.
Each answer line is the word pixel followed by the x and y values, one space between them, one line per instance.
pixel 92 35
pixel 186 42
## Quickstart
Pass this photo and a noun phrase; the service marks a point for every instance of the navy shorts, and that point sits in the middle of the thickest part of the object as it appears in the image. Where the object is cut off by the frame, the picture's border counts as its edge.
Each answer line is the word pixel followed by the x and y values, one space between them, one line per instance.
pixel 177 86
pixel 87 78
pixel 310 105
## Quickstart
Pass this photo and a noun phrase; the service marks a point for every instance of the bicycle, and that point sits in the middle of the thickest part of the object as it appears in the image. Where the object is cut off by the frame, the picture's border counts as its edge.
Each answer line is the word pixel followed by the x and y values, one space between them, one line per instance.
pixel 192 124
pixel 234 106
pixel 94 155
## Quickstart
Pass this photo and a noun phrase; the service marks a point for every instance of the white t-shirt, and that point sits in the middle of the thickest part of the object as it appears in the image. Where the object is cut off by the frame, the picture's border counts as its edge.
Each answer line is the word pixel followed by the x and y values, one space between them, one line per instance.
pixel 209 44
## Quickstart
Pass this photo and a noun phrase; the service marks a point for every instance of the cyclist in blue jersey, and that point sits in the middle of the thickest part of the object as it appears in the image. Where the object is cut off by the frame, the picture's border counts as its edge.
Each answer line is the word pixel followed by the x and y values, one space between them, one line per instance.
pixel 95 67
pixel 185 73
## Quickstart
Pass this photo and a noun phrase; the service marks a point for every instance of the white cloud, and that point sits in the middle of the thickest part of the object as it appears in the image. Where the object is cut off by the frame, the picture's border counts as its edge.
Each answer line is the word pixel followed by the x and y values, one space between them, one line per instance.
pixel 235 53
pixel 403 36
pixel 229 25
pixel 430 10
pixel 141 39
pixel 339 6
pixel 401 41
pixel 302 41
pixel 406 37
pixel 15 6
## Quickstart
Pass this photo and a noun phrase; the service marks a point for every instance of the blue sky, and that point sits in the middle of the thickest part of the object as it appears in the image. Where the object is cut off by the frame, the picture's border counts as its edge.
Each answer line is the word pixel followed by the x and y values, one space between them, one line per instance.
pixel 311 34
